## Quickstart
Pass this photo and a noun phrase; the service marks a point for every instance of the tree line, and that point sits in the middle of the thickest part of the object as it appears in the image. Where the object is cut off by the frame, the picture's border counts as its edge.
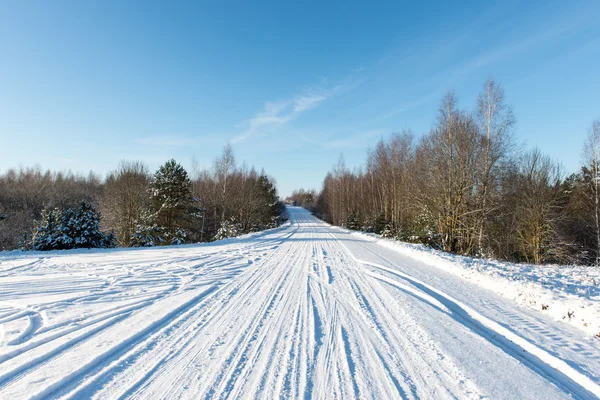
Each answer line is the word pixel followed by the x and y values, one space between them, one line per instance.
pixel 467 187
pixel 133 207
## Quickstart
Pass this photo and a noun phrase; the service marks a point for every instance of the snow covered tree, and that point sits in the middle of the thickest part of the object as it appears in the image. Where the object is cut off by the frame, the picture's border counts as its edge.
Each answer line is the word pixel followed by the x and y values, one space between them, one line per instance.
pixel 80 228
pixel 352 222
pixel 70 229
pixel 47 230
pixel 24 193
pixel 388 231
pixel 147 232
pixel 229 228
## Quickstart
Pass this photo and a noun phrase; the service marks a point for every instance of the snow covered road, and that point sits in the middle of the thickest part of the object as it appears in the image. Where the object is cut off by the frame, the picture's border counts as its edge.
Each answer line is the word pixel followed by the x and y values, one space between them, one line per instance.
pixel 303 311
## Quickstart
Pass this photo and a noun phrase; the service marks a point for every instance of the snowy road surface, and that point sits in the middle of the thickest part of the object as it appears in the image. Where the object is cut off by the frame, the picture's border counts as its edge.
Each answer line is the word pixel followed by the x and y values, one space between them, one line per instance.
pixel 303 311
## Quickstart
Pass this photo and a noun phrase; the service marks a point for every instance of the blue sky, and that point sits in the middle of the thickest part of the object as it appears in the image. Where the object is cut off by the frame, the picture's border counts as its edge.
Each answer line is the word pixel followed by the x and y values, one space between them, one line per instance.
pixel 85 84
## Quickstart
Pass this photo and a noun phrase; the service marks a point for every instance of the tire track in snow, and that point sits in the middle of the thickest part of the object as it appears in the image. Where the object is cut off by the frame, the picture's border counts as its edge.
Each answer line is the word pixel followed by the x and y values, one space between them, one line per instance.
pixel 148 357
pixel 108 350
pixel 552 368
pixel 38 362
pixel 238 289
pixel 538 360
pixel 291 314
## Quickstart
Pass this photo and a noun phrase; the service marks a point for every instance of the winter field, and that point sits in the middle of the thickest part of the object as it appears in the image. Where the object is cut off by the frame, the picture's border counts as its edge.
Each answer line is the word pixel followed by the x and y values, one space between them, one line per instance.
pixel 303 311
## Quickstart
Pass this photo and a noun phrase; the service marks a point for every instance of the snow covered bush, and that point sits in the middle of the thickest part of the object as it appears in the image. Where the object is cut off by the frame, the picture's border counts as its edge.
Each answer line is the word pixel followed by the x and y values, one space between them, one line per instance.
pixel 228 229
pixel 46 231
pixel 388 231
pixel 352 222
pixel 70 229
pixel 147 232
pixel 180 236
pixel 367 229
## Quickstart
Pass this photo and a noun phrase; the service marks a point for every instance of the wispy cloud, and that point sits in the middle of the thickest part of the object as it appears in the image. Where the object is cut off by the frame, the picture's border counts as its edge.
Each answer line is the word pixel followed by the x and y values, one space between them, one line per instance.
pixel 170 140
pixel 277 114
pixel 67 160
pixel 355 140
pixel 410 105
pixel 504 52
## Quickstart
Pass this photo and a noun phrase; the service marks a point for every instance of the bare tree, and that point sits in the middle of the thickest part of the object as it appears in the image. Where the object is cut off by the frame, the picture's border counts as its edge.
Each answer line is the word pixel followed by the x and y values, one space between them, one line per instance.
pixel 591 155
pixel 224 167
pixel 124 199
pixel 464 188
pixel 448 160
pixel 539 210
pixel 25 192
pixel 496 122
pixel 235 197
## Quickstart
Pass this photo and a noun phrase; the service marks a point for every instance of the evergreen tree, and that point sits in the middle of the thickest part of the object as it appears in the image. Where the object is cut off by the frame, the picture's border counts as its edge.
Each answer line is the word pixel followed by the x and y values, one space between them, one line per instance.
pixel 352 222
pixel 47 230
pixel 65 236
pixel 81 228
pixel 147 232
pixel 271 207
pixel 228 229
pixel 172 202
pixel 388 231
pixel 379 223
pixel 70 229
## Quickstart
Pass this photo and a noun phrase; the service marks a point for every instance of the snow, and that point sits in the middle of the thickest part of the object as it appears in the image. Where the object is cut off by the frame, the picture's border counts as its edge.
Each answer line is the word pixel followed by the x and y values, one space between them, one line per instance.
pixel 566 293
pixel 303 311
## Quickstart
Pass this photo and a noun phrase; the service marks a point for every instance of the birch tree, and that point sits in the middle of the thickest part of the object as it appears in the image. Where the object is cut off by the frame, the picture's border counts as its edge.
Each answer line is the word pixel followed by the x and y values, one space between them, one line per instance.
pixel 591 154
pixel 496 122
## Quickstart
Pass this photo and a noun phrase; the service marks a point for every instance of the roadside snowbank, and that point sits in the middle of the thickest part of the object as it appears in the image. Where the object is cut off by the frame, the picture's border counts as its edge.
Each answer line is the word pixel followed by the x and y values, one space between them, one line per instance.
pixel 19 254
pixel 566 293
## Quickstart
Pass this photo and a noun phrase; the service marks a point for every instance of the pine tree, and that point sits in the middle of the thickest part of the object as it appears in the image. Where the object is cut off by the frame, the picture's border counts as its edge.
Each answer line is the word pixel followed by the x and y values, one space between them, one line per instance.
pixel 172 203
pixel 66 233
pixel 388 231
pixel 379 223
pixel 47 230
pixel 70 229
pixel 352 222
pixel 147 232
pixel 81 228
pixel 228 229
pixel 271 207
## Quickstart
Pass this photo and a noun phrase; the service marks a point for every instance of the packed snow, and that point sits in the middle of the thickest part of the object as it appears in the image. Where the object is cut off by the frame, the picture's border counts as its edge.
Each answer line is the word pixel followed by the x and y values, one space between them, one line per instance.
pixel 567 293
pixel 303 311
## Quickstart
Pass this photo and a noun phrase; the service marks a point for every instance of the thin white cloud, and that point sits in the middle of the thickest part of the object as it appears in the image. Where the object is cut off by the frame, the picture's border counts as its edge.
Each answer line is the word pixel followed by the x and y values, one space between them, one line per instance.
pixel 171 140
pixel 67 160
pixel 166 140
pixel 410 105
pixel 503 52
pixel 277 114
pixel 356 140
